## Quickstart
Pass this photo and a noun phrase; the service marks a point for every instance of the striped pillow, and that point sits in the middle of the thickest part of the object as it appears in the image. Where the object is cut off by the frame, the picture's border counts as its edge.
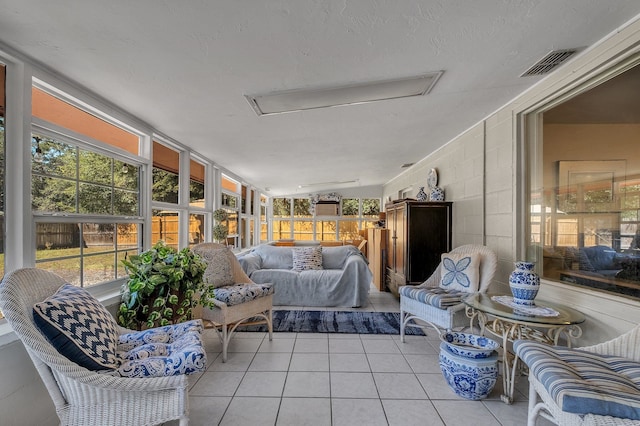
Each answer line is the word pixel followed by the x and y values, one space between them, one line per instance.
pixel 307 258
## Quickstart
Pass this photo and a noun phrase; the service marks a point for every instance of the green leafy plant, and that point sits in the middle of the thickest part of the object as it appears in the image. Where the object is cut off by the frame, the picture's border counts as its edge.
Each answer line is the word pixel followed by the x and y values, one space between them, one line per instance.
pixel 164 286
pixel 220 230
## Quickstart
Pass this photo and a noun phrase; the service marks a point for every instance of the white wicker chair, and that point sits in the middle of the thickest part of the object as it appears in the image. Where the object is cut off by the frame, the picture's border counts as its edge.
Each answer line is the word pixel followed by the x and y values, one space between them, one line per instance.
pixel 541 404
pixel 227 318
pixel 81 396
pixel 452 316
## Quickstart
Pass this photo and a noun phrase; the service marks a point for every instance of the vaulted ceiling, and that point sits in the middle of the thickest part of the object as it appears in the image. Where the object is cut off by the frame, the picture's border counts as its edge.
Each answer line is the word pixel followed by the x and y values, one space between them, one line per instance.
pixel 185 66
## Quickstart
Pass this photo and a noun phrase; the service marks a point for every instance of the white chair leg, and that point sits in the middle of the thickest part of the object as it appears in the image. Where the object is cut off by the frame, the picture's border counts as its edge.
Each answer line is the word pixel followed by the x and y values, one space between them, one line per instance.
pixel 402 315
pixel 225 342
pixel 184 421
pixel 534 405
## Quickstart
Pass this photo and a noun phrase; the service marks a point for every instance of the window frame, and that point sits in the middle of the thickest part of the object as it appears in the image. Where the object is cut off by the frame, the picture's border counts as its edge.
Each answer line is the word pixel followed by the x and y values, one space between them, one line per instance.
pixel 85 143
pixel 530 162
pixel 363 222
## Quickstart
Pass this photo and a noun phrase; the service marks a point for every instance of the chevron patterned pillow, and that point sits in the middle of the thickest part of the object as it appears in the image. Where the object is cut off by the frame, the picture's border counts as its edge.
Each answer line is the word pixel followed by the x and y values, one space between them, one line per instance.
pixel 79 327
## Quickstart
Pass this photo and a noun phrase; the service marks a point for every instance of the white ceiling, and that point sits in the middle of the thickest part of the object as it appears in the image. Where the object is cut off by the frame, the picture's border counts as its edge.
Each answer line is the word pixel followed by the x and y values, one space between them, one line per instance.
pixel 184 66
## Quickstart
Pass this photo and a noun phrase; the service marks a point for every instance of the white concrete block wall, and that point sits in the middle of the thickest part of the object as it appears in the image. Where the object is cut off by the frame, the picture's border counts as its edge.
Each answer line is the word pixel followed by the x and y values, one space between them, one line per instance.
pixel 499 189
pixel 460 166
pixel 489 213
pixel 26 401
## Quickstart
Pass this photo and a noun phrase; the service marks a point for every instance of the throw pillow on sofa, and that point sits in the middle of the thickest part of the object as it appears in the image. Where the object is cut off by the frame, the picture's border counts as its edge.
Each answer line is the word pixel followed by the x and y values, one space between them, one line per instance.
pixel 307 258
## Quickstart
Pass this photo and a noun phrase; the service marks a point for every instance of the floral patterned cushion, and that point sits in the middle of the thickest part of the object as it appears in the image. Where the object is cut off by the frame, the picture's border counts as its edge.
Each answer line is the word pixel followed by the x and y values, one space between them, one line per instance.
pixel 241 293
pixel 460 272
pixel 163 351
pixel 219 272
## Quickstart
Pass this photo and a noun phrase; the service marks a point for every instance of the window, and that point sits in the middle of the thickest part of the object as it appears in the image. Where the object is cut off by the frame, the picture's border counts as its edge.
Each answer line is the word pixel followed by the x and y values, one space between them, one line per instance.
pixel 348 230
pixel 196 229
pixel 166 174
pixel 264 225
pixel 301 207
pixel 293 218
pixel 66 178
pixel 231 191
pixel 164 227
pixel 371 208
pixel 281 207
pixel 326 230
pixel 97 191
pixel 88 178
pixel 196 184
pixel 584 202
pixel 350 207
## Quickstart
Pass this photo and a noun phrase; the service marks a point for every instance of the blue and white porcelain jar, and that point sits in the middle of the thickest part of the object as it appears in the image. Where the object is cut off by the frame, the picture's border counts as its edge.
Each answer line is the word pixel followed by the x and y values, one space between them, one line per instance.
pixel 524 283
pixel 470 378
pixel 437 194
pixel 421 195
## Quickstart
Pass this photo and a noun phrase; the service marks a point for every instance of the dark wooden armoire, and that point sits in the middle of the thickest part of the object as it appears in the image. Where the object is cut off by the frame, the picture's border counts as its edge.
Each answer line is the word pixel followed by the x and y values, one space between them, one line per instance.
pixel 419 232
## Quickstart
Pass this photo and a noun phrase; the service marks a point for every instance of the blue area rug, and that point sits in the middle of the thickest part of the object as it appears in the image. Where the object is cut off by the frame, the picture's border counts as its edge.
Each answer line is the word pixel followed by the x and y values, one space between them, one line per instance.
pixel 336 322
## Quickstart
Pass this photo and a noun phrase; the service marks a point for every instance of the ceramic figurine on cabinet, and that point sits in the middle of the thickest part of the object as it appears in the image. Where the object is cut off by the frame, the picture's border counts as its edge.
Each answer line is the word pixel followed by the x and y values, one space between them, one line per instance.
pixel 421 195
pixel 435 192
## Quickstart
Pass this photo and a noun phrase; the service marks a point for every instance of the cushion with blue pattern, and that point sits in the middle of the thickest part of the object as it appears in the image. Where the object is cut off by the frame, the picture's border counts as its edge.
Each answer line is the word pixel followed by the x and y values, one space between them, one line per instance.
pixel 434 296
pixel 460 272
pixel 582 382
pixel 241 293
pixel 79 327
pixel 306 258
pixel 164 351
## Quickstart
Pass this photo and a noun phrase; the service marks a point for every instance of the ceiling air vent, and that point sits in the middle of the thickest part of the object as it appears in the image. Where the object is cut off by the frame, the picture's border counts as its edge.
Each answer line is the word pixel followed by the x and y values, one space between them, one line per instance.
pixel 550 62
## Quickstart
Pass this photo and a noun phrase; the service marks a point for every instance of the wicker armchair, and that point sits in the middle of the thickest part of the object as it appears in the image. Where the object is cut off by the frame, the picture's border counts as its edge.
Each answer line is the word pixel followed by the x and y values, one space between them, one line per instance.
pixel 243 303
pixel 81 396
pixel 446 317
pixel 580 379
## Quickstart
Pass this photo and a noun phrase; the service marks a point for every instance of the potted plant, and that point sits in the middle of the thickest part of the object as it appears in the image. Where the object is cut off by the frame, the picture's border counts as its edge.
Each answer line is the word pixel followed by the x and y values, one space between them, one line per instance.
pixel 164 286
pixel 220 230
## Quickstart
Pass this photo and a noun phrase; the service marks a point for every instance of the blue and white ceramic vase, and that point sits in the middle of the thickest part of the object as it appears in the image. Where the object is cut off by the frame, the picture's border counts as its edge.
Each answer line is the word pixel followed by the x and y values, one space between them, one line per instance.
pixel 421 195
pixel 470 378
pixel 437 194
pixel 524 283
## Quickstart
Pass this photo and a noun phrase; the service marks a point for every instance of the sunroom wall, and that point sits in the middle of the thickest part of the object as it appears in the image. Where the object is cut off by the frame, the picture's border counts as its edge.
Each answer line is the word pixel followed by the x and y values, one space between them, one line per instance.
pixel 495 213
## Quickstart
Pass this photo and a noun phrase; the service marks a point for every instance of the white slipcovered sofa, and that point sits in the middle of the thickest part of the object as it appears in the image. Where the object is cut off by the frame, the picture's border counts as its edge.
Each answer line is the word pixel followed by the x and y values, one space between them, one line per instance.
pixel 343 281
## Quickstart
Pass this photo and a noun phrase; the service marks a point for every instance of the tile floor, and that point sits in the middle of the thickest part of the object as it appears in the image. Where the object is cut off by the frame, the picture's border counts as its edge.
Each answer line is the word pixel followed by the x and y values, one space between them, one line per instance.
pixel 338 379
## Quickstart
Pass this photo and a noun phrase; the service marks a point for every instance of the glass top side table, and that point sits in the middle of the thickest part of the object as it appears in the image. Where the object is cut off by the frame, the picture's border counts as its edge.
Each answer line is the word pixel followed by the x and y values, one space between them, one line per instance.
pixel 510 324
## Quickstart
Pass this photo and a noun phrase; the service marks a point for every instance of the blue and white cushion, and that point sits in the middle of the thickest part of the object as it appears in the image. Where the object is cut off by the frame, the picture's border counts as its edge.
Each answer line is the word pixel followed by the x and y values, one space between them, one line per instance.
pixel 582 382
pixel 163 351
pixel 460 272
pixel 241 293
pixel 435 296
pixel 307 258
pixel 79 327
